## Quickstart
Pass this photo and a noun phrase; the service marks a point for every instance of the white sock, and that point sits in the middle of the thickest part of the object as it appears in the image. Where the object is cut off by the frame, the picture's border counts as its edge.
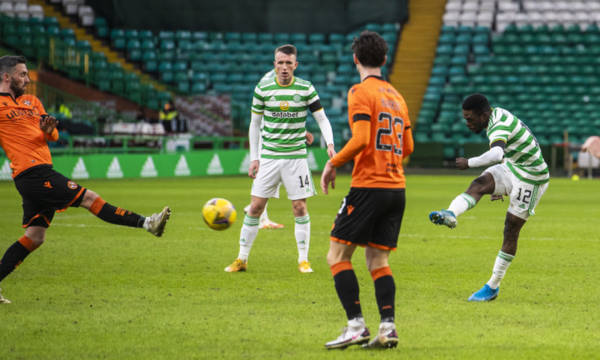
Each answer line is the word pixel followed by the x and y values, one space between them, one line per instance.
pixel 247 236
pixel 302 232
pixel 357 322
pixel 461 203
pixel 503 260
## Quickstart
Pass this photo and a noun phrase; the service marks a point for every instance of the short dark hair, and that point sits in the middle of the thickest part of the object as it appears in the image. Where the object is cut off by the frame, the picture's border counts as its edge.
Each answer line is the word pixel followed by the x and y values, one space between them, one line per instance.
pixel 370 49
pixel 287 49
pixel 8 62
pixel 477 103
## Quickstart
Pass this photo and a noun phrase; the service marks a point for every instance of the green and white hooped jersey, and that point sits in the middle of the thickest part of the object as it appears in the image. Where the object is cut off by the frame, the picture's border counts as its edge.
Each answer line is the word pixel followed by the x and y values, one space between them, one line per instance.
pixel 522 153
pixel 284 110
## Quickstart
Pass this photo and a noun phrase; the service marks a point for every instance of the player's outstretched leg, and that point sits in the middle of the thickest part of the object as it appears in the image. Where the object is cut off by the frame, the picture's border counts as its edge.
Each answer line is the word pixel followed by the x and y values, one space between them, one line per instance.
pixel 155 223
pixel 486 293
pixel 3 300
pixel 356 333
pixel 443 217
pixel 386 338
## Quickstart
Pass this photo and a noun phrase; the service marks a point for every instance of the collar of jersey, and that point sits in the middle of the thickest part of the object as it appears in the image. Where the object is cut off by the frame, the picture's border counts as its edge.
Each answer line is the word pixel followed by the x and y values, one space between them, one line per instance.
pixel 290 84
pixel 374 76
pixel 9 95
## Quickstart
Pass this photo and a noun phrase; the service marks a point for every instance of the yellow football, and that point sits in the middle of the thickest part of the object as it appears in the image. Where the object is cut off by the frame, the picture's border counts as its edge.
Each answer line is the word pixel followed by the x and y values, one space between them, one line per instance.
pixel 219 213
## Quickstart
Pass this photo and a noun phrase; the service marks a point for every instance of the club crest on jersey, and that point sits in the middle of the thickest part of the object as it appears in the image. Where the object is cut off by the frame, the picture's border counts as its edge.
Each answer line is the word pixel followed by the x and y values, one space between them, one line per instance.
pixel 72 185
pixel 284 106
pixel 297 98
pixel 27 102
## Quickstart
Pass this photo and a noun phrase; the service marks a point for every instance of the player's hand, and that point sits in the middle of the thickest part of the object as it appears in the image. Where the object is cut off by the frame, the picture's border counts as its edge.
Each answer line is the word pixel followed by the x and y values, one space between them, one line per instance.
pixel 330 151
pixel 48 124
pixel 310 138
pixel 496 197
pixel 462 163
pixel 253 168
pixel 327 177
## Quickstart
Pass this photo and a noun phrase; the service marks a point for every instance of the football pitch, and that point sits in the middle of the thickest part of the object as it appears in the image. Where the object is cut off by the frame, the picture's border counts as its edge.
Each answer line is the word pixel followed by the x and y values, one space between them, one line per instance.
pixel 99 291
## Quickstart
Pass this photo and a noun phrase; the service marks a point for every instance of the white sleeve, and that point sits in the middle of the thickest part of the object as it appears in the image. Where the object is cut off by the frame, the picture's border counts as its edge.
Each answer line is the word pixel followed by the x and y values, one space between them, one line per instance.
pixel 254 135
pixel 492 156
pixel 324 125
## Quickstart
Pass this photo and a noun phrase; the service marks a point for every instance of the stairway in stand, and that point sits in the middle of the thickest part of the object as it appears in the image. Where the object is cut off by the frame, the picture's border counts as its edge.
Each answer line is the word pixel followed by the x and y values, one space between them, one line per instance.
pixel 416 51
pixel 97 45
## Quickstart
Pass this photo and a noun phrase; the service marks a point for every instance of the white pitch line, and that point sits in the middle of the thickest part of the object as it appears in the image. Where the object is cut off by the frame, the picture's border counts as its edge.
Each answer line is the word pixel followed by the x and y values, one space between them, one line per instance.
pixel 480 237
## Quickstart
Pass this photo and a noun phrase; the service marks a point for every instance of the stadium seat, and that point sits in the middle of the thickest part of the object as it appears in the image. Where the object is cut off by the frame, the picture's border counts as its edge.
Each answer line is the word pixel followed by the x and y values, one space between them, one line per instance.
pixel 265 38
pixel 298 38
pixel 198 88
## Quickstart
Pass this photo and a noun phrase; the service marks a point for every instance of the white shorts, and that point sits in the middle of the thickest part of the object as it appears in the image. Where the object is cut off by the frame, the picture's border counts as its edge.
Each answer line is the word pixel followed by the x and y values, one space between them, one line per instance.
pixel 523 196
pixel 293 173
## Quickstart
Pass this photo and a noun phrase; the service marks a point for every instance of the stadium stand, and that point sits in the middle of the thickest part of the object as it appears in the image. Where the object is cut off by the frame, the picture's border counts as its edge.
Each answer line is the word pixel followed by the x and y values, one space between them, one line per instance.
pixel 537 62
pixel 140 64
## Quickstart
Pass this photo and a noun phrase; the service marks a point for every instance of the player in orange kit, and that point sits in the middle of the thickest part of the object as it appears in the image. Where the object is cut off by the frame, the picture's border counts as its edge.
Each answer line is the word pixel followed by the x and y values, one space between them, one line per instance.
pixel 371 213
pixel 25 129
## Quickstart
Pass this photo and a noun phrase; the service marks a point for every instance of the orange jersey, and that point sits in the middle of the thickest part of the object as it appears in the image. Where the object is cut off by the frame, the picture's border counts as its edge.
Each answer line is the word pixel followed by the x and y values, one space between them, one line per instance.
pixel 24 143
pixel 379 163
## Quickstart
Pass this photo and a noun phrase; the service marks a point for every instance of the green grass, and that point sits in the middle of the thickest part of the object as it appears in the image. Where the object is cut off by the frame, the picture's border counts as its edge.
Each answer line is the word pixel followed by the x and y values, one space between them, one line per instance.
pixel 95 290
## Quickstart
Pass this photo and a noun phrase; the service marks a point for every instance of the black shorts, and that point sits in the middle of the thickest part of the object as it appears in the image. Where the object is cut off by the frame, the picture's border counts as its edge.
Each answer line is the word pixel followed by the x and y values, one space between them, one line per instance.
pixel 370 217
pixel 45 191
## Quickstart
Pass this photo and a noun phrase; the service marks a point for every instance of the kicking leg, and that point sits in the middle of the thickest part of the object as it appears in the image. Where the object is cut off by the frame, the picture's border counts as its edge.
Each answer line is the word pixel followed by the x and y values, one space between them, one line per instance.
pixel 155 224
pixel 482 185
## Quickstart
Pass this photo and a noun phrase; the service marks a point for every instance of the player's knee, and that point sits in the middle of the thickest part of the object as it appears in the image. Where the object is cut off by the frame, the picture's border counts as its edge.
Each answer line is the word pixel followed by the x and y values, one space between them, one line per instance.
pixel 37 234
pixel 299 208
pixel 335 256
pixel 256 210
pixel 376 258
pixel 480 185
pixel 88 199
pixel 332 258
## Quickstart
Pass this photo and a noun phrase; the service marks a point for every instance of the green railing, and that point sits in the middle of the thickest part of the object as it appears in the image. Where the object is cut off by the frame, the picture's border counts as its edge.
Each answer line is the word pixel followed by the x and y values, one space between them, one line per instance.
pixel 121 144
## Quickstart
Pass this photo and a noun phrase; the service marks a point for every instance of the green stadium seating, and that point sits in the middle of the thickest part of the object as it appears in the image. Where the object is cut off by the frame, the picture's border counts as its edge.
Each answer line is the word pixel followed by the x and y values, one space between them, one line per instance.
pixel 131 34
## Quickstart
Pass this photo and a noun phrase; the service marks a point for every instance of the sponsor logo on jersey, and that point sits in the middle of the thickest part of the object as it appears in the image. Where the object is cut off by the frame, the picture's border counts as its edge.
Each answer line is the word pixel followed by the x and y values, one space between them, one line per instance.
pixel 284 114
pixel 284 106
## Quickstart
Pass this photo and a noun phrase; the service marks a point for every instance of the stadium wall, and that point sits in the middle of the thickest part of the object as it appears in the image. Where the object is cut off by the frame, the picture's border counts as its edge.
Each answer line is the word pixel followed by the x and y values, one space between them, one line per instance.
pixel 193 163
pixel 307 16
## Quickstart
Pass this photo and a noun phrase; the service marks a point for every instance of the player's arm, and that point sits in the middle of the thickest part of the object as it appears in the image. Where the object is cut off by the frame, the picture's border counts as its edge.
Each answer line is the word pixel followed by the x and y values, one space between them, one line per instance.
pixel 309 138
pixel 493 156
pixel 361 132
pixel 319 114
pixel 408 144
pixel 48 125
pixel 253 142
